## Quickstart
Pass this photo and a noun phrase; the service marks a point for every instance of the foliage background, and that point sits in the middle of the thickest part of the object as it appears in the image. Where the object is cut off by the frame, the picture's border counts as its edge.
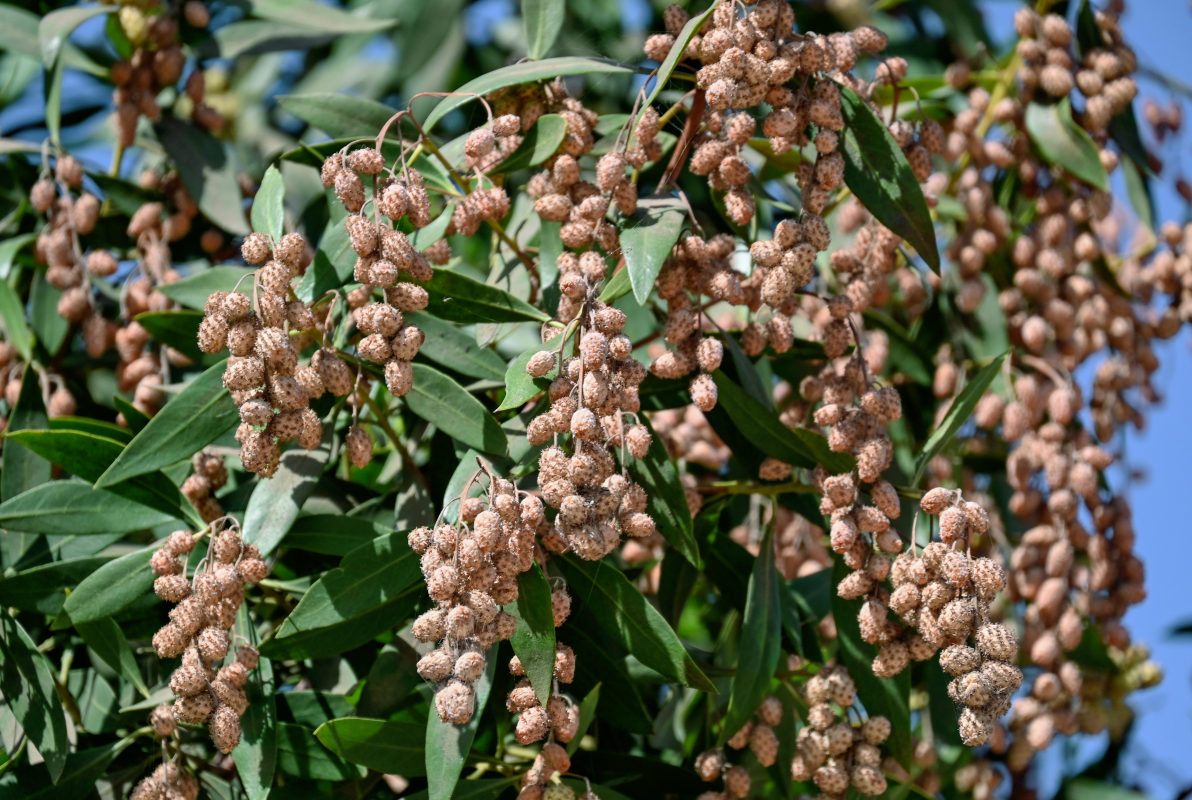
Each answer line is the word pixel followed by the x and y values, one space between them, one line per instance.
pixel 440 45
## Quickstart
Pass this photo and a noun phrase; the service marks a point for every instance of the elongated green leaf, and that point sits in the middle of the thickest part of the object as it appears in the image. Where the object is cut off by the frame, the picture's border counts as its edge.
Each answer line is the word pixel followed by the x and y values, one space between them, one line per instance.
pixel 445 404
pixel 447 745
pixel 667 67
pixel 206 168
pixel 961 409
pixel 762 427
pixel 80 773
pixel 889 697
pixel 667 504
pixel 628 618
pixel 877 172
pixel 525 72
pixel 447 345
pixel 478 789
pixel 275 503
pixel 48 325
pixel 96 427
pixel 338 115
pixel 458 298
pixel 520 386
pixel 12 314
pixel 1090 789
pixel 22 469
pixel 106 638
pixel 109 590
pixel 253 36
pixel 42 588
pixel 534 640
pixel 256 756
pixel 317 16
pixel 19 36
pixel 647 238
pixel 27 681
pixel 375 587
pixel 760 643
pixel 300 754
pixel 193 290
pixel 52 34
pixel 87 456
pixel 390 747
pixel 616 287
pixel 268 212
pixel 193 419
pixel 1064 143
pixel 540 143
pixel 332 534
pixel 543 20
pixel 587 713
pixel 74 508
pixel 604 662
pixel 9 249
pixel 178 329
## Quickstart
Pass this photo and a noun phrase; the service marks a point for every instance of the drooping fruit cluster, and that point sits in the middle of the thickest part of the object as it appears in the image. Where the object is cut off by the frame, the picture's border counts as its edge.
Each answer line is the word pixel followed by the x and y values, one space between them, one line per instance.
pixel 207 690
pixel 833 752
pixel 200 486
pixel 272 391
pixel 590 398
pixel 758 735
pixel 167 782
pixel 471 570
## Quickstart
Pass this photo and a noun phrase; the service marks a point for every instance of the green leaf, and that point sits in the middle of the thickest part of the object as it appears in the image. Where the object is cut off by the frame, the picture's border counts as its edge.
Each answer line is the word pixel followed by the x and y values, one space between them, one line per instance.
pixel 193 419
pixel 9 249
pixel 889 697
pixel 52 34
pixel 458 298
pixel 332 534
pixel 449 407
pixel 256 756
pixel 275 502
pixel 543 20
pixel 447 345
pixel 760 642
pixel 342 606
pixel 394 748
pixel 1090 789
pixel 647 238
pixel 1064 143
pixel 178 329
pixel 106 638
pixel 540 143
pixel 27 682
pixel 520 386
pixel 74 508
pixel 268 211
pixel 447 745
pixel 667 503
pixel 109 590
pixel 678 49
pixel 616 287
pixel 338 115
pixel 81 772
pixel 587 713
pixel 629 619
pixel 959 412
pixel 87 456
pixel 761 426
pixel 317 16
pixel 300 754
pixel 19 36
pixel 473 789
pixel 42 588
pixel 534 640
pixel 12 314
pixel 48 325
pixel 525 72
pixel 253 36
pixel 205 165
pixel 20 468
pixel 877 172
pixel 193 290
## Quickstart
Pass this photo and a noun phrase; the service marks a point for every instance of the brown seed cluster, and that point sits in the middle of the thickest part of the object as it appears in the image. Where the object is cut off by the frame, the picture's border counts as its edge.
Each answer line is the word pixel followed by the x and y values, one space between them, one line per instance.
pixel 263 375
pixel 167 782
pixel 157 62
pixel 833 752
pixel 471 570
pixel 593 394
pixel 207 690
pixel 759 736
pixel 200 486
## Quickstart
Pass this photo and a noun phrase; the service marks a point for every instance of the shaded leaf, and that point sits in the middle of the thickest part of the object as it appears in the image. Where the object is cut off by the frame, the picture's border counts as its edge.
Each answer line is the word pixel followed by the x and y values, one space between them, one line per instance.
pixel 12 314
pixel 42 588
pixel 389 747
pixel 543 20
pixel 458 298
pixel 448 406
pixel 194 418
pixel 80 773
pixel 256 756
pixel 268 211
pixel 540 143
pixel 178 329
pixel 1090 789
pixel 877 172
pixel 647 238
pixel 109 590
pixel 447 745
pixel 193 290
pixel 587 713
pixel 447 345
pixel 629 619
pixel 106 638
pixel 338 115
pixel 761 633
pixel 666 499
pixel 75 508
pixel 20 468
pixel 1064 143
pixel 534 640
pixel 206 167
pixel 27 682
pixel 317 16
pixel 275 503
pixel 332 534
pixel 300 754
pixel 961 409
